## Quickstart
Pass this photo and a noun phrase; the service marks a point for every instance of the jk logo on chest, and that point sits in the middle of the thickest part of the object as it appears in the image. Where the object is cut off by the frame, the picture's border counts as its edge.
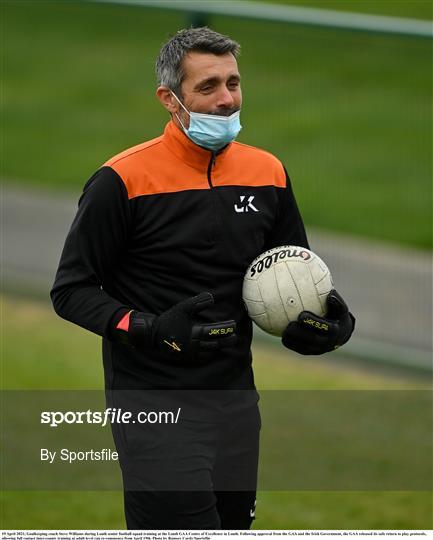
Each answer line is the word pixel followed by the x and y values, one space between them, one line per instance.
pixel 245 205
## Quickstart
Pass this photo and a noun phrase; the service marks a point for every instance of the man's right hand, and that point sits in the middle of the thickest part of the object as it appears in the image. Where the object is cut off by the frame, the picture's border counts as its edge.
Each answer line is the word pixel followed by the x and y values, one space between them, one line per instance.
pixel 177 332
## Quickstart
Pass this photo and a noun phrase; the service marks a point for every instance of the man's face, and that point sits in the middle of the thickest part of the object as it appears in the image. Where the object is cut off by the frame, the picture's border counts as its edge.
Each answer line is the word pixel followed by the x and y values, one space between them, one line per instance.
pixel 211 85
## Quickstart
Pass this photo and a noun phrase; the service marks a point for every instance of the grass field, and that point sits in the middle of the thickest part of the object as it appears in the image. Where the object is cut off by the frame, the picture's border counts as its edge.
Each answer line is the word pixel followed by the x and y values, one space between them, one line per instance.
pixel 41 351
pixel 349 113
pixel 416 9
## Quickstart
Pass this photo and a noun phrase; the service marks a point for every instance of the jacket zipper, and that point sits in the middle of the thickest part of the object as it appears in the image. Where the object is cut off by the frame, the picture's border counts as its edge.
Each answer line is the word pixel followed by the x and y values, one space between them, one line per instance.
pixel 209 169
pixel 215 218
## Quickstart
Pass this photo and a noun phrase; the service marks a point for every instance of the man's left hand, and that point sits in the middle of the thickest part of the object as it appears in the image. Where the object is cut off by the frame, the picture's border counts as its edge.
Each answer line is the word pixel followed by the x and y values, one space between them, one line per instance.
pixel 311 334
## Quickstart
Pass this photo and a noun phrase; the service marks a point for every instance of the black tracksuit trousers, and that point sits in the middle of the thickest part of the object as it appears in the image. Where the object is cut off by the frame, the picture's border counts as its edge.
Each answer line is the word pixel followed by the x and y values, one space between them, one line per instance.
pixel 199 475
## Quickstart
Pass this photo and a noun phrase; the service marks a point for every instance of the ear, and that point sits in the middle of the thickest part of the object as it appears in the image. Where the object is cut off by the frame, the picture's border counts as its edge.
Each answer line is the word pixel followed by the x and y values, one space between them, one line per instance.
pixel 167 100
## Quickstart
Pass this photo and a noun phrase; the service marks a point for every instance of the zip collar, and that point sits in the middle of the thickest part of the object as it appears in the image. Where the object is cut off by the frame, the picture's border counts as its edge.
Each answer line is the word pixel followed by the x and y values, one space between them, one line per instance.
pixel 190 153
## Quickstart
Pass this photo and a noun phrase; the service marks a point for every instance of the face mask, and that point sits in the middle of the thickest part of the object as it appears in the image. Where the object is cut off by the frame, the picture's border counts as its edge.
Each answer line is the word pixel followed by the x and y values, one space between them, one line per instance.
pixel 209 130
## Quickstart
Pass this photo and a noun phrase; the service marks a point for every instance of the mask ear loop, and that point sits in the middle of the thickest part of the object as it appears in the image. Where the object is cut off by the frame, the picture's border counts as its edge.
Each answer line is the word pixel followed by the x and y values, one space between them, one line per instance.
pixel 183 107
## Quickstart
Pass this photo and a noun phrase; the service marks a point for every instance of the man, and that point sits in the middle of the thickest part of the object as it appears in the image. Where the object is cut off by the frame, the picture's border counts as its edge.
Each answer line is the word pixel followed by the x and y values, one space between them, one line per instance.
pixel 154 263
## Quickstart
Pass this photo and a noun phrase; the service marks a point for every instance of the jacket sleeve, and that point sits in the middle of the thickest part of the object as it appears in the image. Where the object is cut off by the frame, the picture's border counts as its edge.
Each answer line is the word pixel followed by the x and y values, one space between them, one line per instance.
pixel 288 228
pixel 94 243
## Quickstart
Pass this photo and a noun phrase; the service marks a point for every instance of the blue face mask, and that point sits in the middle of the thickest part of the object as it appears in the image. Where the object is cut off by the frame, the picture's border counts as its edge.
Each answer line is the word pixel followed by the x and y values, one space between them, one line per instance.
pixel 210 130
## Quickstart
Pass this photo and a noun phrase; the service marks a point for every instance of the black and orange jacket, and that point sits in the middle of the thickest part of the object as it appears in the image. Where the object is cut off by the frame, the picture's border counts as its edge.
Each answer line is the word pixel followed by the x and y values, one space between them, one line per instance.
pixel 161 222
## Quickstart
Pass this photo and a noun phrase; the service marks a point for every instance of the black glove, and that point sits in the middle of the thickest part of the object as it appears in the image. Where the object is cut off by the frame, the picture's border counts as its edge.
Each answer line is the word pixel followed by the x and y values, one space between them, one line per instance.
pixel 311 334
pixel 176 331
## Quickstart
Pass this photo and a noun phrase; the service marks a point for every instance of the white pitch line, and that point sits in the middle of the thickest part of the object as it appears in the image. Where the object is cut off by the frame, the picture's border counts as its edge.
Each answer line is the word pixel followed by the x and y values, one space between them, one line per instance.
pixel 292 14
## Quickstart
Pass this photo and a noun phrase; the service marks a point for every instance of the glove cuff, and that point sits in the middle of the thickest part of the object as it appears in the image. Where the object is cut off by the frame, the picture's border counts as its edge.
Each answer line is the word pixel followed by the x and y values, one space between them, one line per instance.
pixel 140 331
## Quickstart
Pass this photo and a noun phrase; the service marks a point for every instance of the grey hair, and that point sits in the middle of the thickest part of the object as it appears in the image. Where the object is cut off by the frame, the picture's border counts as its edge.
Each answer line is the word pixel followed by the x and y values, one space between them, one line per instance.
pixel 169 68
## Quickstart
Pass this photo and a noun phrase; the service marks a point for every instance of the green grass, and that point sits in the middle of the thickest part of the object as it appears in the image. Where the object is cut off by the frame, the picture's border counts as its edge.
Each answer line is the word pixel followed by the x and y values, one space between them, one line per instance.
pixel 415 9
pixel 275 510
pixel 344 510
pixel 40 351
pixel 349 113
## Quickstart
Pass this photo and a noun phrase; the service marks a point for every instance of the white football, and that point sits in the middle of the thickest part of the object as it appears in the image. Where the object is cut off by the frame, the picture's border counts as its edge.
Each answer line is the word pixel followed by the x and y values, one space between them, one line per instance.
pixel 282 282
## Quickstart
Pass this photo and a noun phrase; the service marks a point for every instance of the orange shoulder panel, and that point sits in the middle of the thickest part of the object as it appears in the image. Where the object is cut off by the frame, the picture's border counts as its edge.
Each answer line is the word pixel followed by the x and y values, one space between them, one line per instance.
pixel 173 163
pixel 148 169
pixel 245 165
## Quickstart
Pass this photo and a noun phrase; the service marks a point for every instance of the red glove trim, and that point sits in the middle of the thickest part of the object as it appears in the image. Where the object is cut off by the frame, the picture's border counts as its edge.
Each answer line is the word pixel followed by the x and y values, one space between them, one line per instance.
pixel 123 324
